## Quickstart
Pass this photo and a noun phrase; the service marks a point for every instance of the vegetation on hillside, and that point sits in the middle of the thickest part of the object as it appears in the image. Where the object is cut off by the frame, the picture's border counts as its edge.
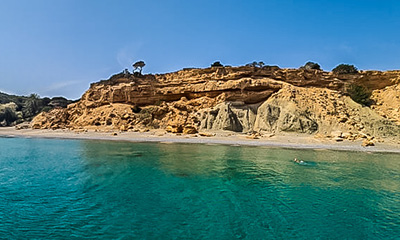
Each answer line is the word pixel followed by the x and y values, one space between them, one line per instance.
pixel 217 64
pixel 256 64
pixel 16 109
pixel 359 94
pixel 345 69
pixel 311 65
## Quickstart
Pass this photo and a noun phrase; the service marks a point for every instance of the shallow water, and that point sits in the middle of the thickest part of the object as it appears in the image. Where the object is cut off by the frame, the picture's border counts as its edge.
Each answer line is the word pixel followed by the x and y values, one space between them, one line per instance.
pixel 74 189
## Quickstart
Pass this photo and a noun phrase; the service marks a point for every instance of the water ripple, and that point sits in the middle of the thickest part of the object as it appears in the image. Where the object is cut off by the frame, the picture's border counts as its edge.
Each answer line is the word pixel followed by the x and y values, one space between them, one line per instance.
pixel 53 189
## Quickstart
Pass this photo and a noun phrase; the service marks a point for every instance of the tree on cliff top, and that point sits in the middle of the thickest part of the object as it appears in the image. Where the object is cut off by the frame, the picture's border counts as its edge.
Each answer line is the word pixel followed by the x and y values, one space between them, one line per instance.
pixel 345 69
pixel 217 64
pixel 138 66
pixel 256 64
pixel 311 65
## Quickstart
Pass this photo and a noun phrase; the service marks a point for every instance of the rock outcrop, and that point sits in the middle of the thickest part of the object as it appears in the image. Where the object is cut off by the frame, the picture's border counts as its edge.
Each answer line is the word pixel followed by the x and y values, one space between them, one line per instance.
pixel 9 114
pixel 18 109
pixel 240 99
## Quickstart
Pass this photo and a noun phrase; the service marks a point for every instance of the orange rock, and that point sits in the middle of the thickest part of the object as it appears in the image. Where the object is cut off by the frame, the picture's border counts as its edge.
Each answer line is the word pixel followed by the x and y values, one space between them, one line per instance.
pixel 174 129
pixel 203 134
pixel 367 143
pixel 189 130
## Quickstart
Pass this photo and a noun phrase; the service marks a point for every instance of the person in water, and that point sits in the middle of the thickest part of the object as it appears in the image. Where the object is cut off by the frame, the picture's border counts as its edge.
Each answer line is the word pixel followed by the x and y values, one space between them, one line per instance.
pixel 298 161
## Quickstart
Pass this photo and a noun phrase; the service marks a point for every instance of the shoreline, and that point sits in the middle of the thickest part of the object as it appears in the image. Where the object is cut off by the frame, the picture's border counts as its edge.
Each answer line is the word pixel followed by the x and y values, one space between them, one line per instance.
pixel 293 141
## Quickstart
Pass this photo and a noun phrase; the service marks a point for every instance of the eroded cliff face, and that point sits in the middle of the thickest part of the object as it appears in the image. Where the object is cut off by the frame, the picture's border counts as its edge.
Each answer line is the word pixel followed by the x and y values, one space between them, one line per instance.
pixel 387 102
pixel 240 99
pixel 301 110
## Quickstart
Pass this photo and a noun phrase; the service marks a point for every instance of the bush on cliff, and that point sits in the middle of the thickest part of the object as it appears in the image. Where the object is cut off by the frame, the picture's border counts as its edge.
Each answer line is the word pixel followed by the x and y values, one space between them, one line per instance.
pixel 256 64
pixel 345 69
pixel 311 65
pixel 217 64
pixel 359 94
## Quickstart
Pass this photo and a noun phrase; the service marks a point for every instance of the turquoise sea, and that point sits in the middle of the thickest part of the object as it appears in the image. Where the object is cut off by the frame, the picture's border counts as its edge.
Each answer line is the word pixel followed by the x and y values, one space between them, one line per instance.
pixel 75 189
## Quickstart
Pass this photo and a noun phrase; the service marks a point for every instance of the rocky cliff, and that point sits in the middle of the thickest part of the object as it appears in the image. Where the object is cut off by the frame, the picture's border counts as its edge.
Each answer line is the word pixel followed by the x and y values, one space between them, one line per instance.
pixel 240 99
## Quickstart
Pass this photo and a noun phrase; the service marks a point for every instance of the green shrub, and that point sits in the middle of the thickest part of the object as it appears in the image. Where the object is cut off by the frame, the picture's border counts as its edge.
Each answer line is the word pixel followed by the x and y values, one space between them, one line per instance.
pixel 345 69
pixel 311 65
pixel 47 109
pixel 217 64
pixel 359 94
pixel 256 64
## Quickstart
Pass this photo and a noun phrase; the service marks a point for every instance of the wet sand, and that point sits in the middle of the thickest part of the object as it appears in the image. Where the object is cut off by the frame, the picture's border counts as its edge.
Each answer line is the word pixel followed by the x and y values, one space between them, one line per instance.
pixel 300 141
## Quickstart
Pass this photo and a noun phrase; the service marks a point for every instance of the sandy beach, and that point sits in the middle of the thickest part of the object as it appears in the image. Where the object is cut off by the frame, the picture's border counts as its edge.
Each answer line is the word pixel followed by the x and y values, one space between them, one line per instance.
pixel 298 141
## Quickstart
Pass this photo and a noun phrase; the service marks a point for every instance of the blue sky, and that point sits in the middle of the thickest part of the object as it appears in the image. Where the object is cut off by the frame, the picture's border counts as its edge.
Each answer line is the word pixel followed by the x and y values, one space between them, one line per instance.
pixel 58 47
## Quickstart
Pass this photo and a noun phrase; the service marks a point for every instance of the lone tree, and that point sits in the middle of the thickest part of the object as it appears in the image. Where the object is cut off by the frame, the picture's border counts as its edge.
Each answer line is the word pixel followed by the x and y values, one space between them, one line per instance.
pixel 138 66
pixel 345 69
pixel 311 65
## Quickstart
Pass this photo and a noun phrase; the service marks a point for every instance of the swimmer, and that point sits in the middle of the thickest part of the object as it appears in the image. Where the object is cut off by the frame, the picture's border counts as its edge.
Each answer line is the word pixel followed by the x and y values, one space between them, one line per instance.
pixel 298 161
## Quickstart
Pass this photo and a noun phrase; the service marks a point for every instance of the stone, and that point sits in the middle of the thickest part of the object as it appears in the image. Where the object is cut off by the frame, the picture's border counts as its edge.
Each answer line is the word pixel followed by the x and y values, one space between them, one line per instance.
pixel 347 135
pixel 362 135
pixel 342 119
pixel 252 136
pixel 144 130
pixel 204 134
pixel 125 116
pixel 174 129
pixel 21 126
pixel 336 134
pixel 189 130
pixel 367 143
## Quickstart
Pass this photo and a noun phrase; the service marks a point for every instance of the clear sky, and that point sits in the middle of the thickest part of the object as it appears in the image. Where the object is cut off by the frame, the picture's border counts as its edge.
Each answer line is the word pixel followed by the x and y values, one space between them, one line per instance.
pixel 58 47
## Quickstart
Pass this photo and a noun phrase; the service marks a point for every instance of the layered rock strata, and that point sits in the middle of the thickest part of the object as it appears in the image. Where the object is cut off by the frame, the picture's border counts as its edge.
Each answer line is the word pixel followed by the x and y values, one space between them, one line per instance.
pixel 240 99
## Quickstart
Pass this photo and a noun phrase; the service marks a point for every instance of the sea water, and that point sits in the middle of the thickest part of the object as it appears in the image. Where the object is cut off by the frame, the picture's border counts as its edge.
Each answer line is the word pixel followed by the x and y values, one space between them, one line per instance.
pixel 75 189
